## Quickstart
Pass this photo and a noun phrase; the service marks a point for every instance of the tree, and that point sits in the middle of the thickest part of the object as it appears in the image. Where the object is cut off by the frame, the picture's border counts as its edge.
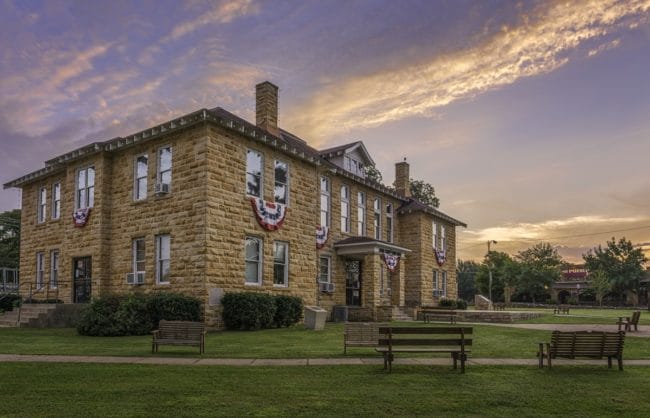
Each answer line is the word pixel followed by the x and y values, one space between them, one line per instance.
pixel 503 269
pixel 424 192
pixel 373 174
pixel 10 239
pixel 601 285
pixel 620 262
pixel 466 275
pixel 539 268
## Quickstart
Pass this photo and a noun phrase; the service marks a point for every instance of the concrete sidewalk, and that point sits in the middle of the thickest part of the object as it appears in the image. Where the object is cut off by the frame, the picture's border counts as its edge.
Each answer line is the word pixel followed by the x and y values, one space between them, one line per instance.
pixel 351 361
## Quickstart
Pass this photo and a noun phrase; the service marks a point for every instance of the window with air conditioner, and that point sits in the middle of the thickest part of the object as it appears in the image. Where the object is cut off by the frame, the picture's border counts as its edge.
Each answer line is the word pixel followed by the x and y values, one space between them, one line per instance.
pixel 324 272
pixel 164 175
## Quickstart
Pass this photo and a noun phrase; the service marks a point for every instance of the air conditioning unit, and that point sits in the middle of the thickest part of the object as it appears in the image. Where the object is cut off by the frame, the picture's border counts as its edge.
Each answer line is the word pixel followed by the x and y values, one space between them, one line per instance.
pixel 135 278
pixel 161 188
pixel 326 287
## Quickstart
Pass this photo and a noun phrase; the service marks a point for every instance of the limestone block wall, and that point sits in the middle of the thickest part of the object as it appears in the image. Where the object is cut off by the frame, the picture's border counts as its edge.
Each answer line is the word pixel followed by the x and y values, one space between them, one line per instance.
pixel 412 236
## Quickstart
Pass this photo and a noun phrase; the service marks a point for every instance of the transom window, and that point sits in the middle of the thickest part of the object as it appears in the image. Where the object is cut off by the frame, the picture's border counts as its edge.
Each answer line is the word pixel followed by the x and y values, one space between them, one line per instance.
pixel 253 274
pixel 254 173
pixel 280 264
pixel 361 214
pixel 281 193
pixel 85 188
pixel 140 184
pixel 56 200
pixel 345 209
pixel 163 251
pixel 325 201
pixel 42 204
pixel 324 272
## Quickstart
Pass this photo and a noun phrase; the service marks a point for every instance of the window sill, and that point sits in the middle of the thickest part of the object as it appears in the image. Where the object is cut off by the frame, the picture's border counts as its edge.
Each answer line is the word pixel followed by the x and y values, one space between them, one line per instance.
pixel 252 284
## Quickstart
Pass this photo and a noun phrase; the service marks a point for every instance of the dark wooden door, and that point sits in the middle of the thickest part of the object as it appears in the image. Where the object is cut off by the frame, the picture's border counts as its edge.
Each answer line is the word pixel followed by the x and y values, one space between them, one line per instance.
pixel 82 279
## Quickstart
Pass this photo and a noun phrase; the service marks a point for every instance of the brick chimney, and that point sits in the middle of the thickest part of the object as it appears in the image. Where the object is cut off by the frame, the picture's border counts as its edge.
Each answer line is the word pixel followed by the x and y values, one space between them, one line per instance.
pixel 402 179
pixel 266 107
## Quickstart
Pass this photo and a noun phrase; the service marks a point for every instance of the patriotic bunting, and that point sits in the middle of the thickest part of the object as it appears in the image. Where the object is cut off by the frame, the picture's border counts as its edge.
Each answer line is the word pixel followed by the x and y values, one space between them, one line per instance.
pixel 391 261
pixel 80 217
pixel 441 256
pixel 269 215
pixel 322 235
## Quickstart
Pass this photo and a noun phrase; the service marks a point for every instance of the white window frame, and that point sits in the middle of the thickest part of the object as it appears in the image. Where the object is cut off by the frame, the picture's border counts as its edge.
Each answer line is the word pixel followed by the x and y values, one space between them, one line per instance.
pixel 377 218
pixel 40 269
pixel 443 238
pixel 42 204
pixel 434 235
pixel 160 172
pixel 259 261
pixel 279 183
pixel 261 173
pixel 162 258
pixel 443 280
pixel 54 268
pixel 56 200
pixel 389 222
pixel 137 178
pixel 361 214
pixel 345 208
pixel 328 274
pixel 134 255
pixel 325 194
pixel 88 200
pixel 284 262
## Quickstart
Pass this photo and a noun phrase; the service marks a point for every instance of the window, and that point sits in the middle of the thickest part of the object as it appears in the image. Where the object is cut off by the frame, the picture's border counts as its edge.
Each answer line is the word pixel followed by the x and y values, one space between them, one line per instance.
pixel 345 209
pixel 324 201
pixel 162 258
pixel 54 268
pixel 40 267
pixel 254 173
pixel 443 238
pixel 439 283
pixel 85 188
pixel 42 204
pixel 140 175
pixel 280 264
pixel 324 273
pixel 389 222
pixel 353 166
pixel 138 255
pixel 377 219
pixel 281 194
pixel 253 261
pixel 361 214
pixel 56 201
pixel 434 229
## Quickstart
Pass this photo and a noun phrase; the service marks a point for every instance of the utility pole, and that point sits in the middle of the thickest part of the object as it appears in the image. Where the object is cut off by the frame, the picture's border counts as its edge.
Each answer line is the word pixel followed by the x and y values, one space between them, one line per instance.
pixel 489 265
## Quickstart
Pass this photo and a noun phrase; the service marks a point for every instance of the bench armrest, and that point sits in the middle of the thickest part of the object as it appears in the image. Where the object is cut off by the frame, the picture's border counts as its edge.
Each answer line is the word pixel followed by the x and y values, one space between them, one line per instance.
pixel 155 333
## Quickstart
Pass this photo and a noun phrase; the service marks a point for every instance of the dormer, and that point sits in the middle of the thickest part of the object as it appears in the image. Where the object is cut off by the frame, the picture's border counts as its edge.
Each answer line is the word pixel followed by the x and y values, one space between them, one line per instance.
pixel 353 158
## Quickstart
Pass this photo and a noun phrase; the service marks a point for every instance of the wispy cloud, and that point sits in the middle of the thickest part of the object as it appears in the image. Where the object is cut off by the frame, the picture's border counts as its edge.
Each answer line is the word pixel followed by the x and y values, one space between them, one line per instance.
pixel 538 45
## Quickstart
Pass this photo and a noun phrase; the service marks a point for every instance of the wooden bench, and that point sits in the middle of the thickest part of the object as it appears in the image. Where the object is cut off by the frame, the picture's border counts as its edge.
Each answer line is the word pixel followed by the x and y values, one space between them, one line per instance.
pixel 360 334
pixel 561 309
pixel 628 321
pixel 452 340
pixel 589 344
pixel 179 333
pixel 430 314
pixel 499 306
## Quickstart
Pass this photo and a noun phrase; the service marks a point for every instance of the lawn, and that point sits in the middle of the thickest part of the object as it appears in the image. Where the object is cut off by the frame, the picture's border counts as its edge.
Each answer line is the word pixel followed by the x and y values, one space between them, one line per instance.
pixel 585 316
pixel 485 391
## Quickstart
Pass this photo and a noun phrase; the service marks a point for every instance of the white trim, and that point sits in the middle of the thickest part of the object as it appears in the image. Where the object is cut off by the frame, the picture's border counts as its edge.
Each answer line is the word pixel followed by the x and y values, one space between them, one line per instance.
pixel 361 214
pixel 284 262
pixel 160 260
pixel 261 174
pixel 56 211
pixel 40 269
pixel 136 183
pixel 41 209
pixel 345 217
pixel 87 199
pixel 259 261
pixel 329 268
pixel 54 273
pixel 328 194
pixel 286 185
pixel 159 172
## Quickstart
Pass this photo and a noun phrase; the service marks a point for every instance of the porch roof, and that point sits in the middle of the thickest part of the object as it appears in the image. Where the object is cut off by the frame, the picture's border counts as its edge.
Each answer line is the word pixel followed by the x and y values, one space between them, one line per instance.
pixel 356 246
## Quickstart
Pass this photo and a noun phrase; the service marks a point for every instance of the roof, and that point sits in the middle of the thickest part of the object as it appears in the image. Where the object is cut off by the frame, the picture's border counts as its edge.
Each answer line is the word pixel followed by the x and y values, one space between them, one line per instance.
pixel 346 148
pixel 363 245
pixel 414 205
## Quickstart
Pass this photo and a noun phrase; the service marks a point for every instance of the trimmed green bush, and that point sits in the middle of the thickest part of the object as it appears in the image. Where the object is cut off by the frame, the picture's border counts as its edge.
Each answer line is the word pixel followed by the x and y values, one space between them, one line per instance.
pixel 453 303
pixel 8 302
pixel 248 310
pixel 288 310
pixel 136 314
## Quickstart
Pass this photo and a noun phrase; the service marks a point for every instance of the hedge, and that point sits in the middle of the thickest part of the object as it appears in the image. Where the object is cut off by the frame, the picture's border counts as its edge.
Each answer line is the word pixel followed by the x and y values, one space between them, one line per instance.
pixel 252 310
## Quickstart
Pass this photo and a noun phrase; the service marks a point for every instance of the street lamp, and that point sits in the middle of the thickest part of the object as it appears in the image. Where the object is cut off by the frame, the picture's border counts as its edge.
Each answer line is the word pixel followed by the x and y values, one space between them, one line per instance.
pixel 578 294
pixel 490 269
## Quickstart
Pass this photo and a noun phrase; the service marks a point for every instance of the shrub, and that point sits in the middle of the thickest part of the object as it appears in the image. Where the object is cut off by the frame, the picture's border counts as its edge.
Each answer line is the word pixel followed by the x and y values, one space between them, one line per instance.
pixel 288 310
pixel 8 302
pixel 173 307
pixel 98 319
pixel 133 316
pixel 461 304
pixel 453 303
pixel 248 310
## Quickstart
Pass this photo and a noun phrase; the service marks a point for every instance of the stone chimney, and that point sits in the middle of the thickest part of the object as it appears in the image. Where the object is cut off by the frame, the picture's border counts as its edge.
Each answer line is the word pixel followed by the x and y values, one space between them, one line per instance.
pixel 266 107
pixel 402 179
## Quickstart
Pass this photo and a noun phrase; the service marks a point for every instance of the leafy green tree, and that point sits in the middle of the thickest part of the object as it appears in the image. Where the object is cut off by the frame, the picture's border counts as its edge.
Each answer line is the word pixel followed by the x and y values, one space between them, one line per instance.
pixel 466 275
pixel 373 174
pixel 504 270
pixel 620 262
pixel 424 192
pixel 539 268
pixel 600 284
pixel 10 238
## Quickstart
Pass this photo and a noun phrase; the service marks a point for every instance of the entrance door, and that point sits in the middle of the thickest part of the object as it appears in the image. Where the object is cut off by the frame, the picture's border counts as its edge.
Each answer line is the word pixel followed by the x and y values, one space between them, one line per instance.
pixel 353 283
pixel 82 278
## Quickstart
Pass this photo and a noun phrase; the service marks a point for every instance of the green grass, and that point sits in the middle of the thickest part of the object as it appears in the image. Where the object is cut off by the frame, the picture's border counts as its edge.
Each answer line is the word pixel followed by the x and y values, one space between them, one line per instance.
pixel 586 316
pixel 145 390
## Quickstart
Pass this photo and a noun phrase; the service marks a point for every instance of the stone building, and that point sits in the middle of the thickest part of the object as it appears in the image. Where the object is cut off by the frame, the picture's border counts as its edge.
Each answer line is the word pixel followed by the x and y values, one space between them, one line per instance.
pixel 209 203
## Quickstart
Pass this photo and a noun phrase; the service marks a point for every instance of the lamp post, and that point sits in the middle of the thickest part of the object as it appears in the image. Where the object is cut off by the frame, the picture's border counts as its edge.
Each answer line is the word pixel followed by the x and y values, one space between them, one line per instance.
pixel 578 294
pixel 489 264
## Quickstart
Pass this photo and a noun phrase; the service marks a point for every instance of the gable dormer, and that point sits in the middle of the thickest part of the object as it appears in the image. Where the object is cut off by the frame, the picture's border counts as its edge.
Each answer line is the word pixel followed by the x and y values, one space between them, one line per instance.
pixel 353 157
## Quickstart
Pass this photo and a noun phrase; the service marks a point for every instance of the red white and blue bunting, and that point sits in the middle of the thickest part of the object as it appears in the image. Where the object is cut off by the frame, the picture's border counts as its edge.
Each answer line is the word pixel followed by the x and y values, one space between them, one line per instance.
pixel 80 217
pixel 441 256
pixel 391 261
pixel 269 215
pixel 322 235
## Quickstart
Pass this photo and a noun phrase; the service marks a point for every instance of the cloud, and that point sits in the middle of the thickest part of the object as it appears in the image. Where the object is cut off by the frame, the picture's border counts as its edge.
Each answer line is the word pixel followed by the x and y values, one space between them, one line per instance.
pixel 540 44
pixel 223 12
pixel 604 47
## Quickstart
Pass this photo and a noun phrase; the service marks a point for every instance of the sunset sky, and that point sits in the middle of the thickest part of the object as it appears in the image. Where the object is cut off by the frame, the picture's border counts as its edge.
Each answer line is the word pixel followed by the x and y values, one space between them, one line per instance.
pixel 530 118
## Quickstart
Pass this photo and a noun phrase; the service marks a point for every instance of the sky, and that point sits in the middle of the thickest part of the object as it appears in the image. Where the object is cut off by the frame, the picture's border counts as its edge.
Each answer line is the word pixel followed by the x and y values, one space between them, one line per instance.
pixel 530 118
